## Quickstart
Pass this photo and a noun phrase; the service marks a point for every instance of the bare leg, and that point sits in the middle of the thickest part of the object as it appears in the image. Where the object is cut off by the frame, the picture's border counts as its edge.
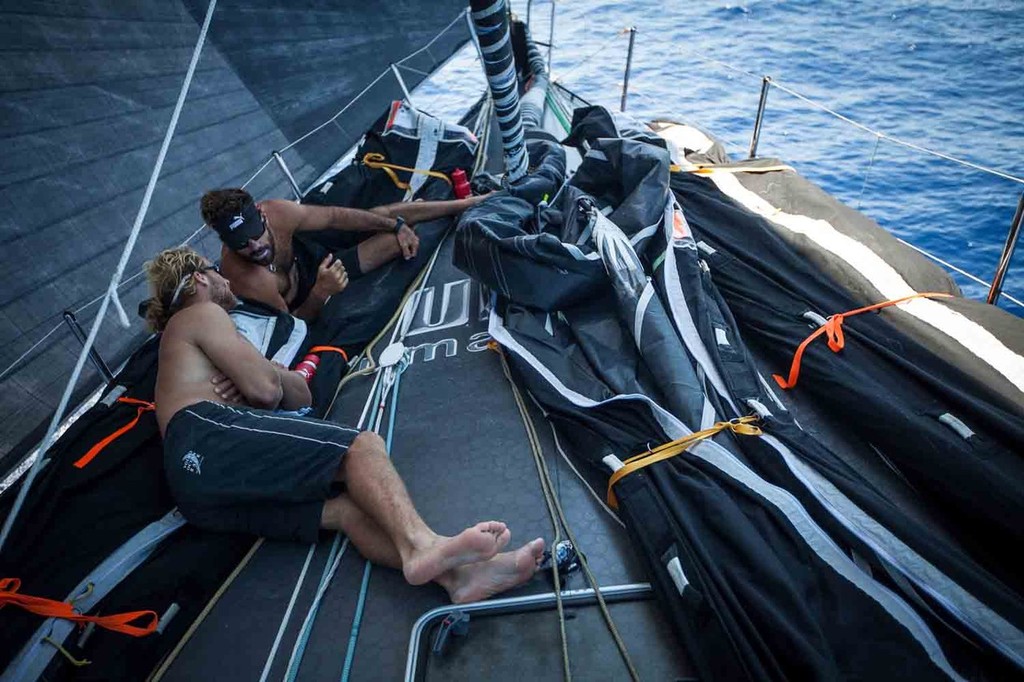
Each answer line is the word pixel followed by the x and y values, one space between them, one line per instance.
pixel 377 490
pixel 377 250
pixel 471 582
pixel 341 514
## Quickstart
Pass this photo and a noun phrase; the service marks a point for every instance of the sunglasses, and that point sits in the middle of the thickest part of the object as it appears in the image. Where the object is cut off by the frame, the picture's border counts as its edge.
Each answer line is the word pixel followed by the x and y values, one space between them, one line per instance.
pixel 184 280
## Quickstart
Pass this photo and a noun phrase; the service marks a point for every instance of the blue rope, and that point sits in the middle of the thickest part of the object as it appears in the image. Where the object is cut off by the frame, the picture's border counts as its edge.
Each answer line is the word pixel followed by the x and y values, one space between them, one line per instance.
pixel 357 619
pixel 307 627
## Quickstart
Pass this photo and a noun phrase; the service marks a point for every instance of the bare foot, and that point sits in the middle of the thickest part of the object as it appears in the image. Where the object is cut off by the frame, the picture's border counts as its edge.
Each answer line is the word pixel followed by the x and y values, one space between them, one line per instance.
pixel 488 578
pixel 479 543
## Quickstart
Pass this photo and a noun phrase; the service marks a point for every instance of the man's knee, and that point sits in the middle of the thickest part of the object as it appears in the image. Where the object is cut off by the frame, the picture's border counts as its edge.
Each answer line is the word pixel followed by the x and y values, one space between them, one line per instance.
pixel 367 443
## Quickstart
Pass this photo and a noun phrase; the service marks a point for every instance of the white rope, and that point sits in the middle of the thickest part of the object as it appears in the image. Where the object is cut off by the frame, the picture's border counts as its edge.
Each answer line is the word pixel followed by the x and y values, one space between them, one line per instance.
pixel 260 170
pixel 287 614
pixel 114 281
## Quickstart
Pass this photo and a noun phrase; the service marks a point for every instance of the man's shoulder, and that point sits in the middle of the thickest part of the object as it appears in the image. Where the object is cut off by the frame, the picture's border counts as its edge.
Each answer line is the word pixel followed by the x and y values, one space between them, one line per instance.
pixel 191 317
pixel 283 215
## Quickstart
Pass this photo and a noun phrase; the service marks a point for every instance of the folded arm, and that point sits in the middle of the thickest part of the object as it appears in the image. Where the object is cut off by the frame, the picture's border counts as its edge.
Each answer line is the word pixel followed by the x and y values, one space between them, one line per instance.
pixel 256 378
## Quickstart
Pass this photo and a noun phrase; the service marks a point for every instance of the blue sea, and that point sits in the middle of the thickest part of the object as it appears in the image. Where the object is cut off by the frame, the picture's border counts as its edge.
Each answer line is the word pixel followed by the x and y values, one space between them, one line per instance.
pixel 946 75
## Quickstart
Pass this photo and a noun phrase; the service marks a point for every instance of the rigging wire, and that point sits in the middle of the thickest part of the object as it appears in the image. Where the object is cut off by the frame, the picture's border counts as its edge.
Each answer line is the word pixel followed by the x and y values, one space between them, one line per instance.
pixel 846 119
pixel 188 240
pixel 115 280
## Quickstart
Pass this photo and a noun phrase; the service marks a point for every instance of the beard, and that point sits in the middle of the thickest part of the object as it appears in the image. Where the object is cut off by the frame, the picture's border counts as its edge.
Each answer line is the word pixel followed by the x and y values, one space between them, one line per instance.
pixel 264 256
pixel 225 298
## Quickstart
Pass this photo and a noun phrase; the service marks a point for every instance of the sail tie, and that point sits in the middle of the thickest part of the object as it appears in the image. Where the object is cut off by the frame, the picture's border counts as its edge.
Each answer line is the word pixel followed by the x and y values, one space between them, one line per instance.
pixel 144 407
pixel 743 426
pixel 376 160
pixel 51 608
pixel 833 329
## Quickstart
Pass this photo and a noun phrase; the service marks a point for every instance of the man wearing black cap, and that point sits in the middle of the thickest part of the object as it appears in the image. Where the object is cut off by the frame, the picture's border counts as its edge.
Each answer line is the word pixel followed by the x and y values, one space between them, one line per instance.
pixel 265 262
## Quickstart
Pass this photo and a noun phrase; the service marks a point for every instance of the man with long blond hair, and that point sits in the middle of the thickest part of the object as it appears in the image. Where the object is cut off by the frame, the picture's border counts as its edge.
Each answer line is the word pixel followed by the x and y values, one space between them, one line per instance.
pixel 250 467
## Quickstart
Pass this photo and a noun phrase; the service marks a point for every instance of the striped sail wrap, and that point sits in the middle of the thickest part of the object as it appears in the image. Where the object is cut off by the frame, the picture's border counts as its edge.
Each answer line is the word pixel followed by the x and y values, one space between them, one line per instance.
pixel 532 103
pixel 492 29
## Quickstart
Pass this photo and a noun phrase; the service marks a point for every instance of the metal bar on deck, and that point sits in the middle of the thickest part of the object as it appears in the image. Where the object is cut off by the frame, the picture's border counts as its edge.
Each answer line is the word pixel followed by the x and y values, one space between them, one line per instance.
pixel 529 4
pixel 765 84
pixel 629 64
pixel 401 84
pixel 1004 259
pixel 288 174
pixel 94 355
pixel 530 602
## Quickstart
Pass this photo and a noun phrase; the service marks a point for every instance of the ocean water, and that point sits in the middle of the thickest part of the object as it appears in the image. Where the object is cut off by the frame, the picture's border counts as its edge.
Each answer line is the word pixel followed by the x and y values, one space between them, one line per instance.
pixel 945 75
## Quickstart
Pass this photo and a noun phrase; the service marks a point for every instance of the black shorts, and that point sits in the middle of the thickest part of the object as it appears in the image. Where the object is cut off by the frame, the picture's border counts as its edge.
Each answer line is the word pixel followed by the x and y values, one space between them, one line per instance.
pixel 253 471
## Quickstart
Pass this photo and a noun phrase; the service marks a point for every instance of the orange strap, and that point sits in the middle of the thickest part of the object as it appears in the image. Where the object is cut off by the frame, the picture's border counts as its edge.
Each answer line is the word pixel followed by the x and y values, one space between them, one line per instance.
pixel 330 349
pixel 51 608
pixel 833 329
pixel 98 448
pixel 744 426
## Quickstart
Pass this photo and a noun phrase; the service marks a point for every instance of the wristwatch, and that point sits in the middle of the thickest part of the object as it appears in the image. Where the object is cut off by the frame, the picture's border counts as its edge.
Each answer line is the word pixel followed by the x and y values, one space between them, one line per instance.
pixel 399 224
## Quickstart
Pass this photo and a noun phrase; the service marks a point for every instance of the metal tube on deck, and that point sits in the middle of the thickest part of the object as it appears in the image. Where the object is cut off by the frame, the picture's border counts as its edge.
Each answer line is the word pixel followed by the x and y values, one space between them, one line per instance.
pixel 629 64
pixel 1004 259
pixel 490 23
pixel 529 4
pixel 288 174
pixel 765 84
pixel 94 355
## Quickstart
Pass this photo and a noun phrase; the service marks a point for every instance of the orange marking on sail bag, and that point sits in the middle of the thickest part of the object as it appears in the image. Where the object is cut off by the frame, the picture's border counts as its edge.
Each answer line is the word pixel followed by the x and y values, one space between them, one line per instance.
pixel 833 329
pixel 96 449
pixel 51 608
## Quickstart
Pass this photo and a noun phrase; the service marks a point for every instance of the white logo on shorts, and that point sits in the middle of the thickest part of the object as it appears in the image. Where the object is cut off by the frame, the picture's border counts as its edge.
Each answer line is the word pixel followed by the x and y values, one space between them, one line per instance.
pixel 192 462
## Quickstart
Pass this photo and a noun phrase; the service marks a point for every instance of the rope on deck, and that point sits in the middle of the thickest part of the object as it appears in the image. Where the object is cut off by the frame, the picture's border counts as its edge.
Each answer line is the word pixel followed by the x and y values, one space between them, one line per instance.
pixel 559 521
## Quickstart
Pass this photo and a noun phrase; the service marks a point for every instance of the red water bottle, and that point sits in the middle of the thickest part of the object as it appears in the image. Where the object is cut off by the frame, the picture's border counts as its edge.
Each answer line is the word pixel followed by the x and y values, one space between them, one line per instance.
pixel 307 368
pixel 459 184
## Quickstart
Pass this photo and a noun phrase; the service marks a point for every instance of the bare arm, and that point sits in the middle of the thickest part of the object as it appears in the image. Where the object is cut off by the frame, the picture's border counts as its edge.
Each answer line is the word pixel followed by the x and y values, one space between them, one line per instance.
pixel 422 211
pixel 215 335
pixel 294 217
pixel 296 391
pixel 331 279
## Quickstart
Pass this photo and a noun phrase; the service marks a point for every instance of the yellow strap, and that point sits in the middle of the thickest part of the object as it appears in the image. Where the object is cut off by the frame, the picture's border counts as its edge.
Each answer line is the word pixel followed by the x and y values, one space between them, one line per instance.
pixel 375 160
pixel 708 169
pixel 744 426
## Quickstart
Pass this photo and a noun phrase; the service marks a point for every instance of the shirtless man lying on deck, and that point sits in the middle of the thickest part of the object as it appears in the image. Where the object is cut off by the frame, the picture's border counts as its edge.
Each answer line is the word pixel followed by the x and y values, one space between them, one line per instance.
pixel 247 468
pixel 265 263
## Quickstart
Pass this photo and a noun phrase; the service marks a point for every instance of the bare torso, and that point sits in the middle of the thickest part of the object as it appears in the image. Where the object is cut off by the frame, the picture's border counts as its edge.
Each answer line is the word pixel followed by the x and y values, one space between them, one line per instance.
pixel 254 281
pixel 184 373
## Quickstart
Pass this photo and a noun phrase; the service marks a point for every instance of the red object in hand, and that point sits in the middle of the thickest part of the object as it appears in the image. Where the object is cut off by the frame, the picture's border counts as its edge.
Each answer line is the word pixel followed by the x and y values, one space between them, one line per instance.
pixel 307 368
pixel 460 184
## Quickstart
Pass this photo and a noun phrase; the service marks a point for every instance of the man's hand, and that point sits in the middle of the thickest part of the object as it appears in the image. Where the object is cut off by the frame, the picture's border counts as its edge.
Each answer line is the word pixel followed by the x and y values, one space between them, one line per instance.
pixel 331 278
pixel 408 242
pixel 226 389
